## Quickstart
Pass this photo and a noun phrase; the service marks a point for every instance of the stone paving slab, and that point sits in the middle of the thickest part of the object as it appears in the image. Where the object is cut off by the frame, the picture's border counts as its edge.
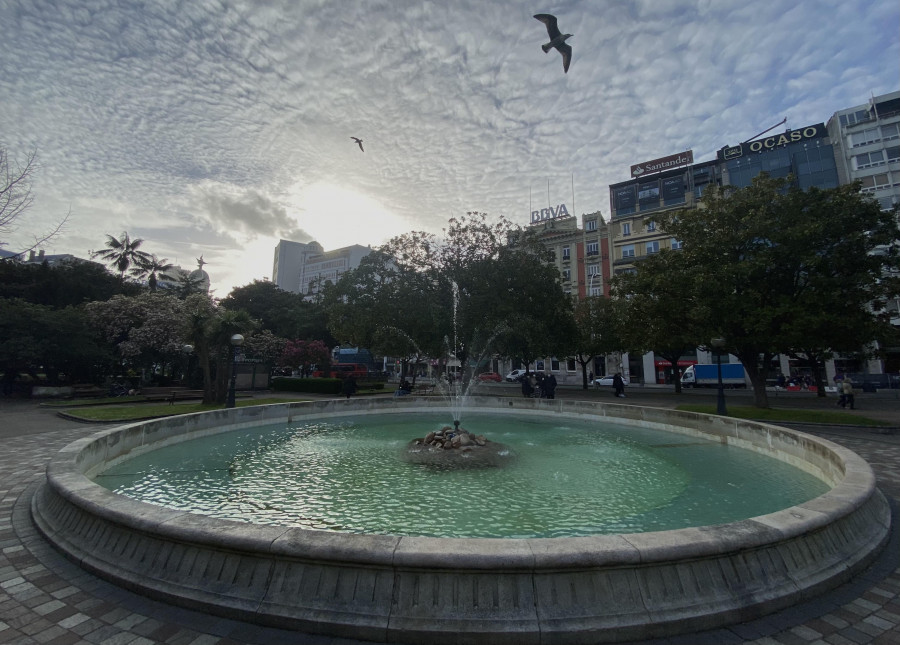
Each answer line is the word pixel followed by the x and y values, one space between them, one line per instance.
pixel 44 598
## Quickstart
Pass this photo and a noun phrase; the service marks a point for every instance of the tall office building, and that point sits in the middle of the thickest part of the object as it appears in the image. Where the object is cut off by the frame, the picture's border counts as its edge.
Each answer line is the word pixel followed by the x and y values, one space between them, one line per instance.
pixel 307 268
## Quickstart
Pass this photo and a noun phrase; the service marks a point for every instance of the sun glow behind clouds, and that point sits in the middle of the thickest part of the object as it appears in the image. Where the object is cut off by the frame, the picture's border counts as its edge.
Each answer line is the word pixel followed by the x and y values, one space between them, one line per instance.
pixel 336 217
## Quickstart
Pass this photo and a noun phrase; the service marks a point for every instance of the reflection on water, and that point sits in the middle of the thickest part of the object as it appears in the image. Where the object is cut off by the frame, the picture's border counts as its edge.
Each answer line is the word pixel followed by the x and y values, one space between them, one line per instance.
pixel 566 479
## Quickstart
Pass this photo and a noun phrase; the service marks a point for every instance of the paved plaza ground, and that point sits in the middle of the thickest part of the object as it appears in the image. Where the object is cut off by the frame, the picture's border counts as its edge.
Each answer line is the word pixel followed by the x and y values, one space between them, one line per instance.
pixel 44 598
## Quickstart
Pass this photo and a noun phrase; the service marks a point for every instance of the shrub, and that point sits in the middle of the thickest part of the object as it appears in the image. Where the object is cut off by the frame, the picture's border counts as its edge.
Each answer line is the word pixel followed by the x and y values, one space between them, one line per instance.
pixel 312 385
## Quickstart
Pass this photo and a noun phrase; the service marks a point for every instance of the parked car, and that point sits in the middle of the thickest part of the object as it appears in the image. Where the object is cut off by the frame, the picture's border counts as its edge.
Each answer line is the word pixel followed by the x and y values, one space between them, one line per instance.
pixel 489 376
pixel 607 381
pixel 515 375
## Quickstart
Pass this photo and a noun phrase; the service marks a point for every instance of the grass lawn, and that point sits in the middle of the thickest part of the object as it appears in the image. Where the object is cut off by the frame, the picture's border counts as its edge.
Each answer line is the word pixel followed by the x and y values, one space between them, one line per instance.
pixel 793 414
pixel 154 410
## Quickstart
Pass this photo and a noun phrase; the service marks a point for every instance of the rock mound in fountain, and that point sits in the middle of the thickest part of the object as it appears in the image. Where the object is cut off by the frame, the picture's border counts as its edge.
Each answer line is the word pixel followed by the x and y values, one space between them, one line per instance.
pixel 457 448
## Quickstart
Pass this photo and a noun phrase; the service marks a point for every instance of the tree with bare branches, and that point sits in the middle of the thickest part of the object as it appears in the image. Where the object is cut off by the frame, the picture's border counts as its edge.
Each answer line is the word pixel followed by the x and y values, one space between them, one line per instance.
pixel 16 198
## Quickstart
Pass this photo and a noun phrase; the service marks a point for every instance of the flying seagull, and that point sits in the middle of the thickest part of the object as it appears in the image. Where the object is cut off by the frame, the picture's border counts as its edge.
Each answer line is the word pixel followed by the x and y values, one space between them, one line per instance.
pixel 557 39
pixel 359 143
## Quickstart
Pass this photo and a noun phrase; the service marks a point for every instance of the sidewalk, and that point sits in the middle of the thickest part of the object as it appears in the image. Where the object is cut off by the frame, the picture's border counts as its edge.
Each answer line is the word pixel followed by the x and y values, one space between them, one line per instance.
pixel 44 598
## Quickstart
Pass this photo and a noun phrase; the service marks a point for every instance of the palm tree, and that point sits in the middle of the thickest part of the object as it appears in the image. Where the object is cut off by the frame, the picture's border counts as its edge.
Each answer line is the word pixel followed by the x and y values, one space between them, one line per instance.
pixel 154 269
pixel 122 253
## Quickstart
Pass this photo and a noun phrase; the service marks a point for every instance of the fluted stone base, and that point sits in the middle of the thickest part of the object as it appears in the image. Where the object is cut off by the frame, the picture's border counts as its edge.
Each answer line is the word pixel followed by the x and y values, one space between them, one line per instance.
pixel 413 589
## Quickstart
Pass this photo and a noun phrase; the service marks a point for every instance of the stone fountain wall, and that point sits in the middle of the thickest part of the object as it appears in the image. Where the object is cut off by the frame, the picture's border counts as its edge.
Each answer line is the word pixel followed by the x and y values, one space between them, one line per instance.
pixel 410 589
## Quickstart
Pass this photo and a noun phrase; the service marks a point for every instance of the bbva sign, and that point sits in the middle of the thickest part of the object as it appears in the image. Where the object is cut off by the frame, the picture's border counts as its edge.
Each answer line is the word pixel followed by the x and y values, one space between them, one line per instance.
pixel 549 213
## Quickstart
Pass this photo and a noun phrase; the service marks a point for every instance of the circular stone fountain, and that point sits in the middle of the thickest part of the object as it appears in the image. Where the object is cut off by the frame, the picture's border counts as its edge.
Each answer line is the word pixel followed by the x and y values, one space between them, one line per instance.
pixel 388 588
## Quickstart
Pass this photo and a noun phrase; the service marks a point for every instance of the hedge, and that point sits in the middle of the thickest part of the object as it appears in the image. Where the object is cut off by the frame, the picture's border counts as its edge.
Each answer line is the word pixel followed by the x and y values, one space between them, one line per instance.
pixel 318 385
pixel 312 385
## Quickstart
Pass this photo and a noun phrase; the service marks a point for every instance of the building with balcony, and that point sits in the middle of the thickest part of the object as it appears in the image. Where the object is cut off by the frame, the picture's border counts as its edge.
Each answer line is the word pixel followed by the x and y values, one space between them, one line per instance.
pixel 633 236
pixel 581 255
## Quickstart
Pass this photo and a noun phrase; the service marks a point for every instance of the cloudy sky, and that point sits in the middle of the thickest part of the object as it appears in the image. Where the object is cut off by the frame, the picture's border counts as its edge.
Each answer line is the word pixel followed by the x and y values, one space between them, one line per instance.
pixel 217 127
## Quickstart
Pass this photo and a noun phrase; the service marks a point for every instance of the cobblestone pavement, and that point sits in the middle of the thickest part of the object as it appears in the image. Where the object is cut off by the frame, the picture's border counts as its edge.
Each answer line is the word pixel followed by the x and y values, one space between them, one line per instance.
pixel 46 599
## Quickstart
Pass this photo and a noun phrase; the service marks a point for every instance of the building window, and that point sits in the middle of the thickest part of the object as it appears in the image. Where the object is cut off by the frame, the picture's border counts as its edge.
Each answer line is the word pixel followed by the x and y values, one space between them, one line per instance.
pixel 590 225
pixel 875 182
pixel 593 269
pixel 626 228
pixel 865 137
pixel 651 227
pixel 596 291
pixel 859 116
pixel 891 131
pixel 886 203
pixel 539 366
pixel 593 248
pixel 566 274
pixel 628 251
pixel 869 159
pixel 554 364
pixel 566 253
pixel 675 244
pixel 893 153
pixel 652 247
pixel 570 365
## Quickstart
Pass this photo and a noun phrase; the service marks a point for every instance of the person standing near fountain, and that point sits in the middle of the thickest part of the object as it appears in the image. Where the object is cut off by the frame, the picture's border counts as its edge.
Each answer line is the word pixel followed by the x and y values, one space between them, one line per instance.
pixel 349 387
pixel 550 386
pixel 619 385
pixel 527 387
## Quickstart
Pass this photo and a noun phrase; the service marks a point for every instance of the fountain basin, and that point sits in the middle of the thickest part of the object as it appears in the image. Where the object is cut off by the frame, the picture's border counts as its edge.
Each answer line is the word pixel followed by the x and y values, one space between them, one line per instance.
pixel 605 588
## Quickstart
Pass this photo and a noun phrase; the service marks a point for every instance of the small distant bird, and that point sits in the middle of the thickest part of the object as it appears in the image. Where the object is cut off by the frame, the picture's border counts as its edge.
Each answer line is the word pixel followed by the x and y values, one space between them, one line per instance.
pixel 557 39
pixel 358 142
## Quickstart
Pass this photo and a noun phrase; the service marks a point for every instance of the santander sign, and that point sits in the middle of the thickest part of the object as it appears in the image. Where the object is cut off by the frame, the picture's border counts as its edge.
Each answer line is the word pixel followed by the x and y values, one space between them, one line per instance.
pixel 663 163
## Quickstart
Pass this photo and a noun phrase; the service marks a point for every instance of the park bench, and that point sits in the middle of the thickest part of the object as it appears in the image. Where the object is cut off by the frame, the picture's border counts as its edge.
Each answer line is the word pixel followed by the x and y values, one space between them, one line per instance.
pixel 86 391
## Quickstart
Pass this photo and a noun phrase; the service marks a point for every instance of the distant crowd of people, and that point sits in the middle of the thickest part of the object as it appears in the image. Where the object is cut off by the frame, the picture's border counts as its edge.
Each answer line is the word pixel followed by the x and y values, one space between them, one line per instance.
pixel 538 386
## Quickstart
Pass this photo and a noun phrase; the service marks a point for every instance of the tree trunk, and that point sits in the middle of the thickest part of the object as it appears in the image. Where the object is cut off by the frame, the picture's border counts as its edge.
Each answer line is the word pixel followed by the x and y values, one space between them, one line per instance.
pixel 209 391
pixel 757 376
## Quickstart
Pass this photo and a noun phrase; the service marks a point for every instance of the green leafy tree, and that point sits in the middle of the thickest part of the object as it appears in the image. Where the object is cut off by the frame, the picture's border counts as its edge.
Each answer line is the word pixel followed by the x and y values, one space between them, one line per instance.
pixel 484 287
pixel 209 328
pixel 661 309
pixel 599 326
pixel 510 297
pixel 185 285
pixel 764 256
pixel 284 313
pixel 123 253
pixel 61 285
pixel 41 340
pixel 145 330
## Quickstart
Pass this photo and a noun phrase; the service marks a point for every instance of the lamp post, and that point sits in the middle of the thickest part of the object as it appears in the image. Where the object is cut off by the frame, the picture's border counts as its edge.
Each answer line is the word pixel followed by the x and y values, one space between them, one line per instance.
pixel 187 350
pixel 718 344
pixel 236 341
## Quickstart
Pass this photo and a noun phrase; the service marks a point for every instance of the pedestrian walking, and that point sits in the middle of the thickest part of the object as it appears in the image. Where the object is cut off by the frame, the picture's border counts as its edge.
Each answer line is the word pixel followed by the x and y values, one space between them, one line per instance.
pixel 847 393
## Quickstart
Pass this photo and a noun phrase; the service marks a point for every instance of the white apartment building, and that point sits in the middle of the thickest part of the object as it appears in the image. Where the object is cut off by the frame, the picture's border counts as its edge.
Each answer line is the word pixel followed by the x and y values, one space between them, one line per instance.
pixel 866 141
pixel 307 268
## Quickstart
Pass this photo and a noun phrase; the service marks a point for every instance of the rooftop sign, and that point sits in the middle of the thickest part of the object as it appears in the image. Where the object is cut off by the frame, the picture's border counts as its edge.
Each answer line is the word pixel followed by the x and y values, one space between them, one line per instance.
pixel 775 141
pixel 549 213
pixel 663 163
